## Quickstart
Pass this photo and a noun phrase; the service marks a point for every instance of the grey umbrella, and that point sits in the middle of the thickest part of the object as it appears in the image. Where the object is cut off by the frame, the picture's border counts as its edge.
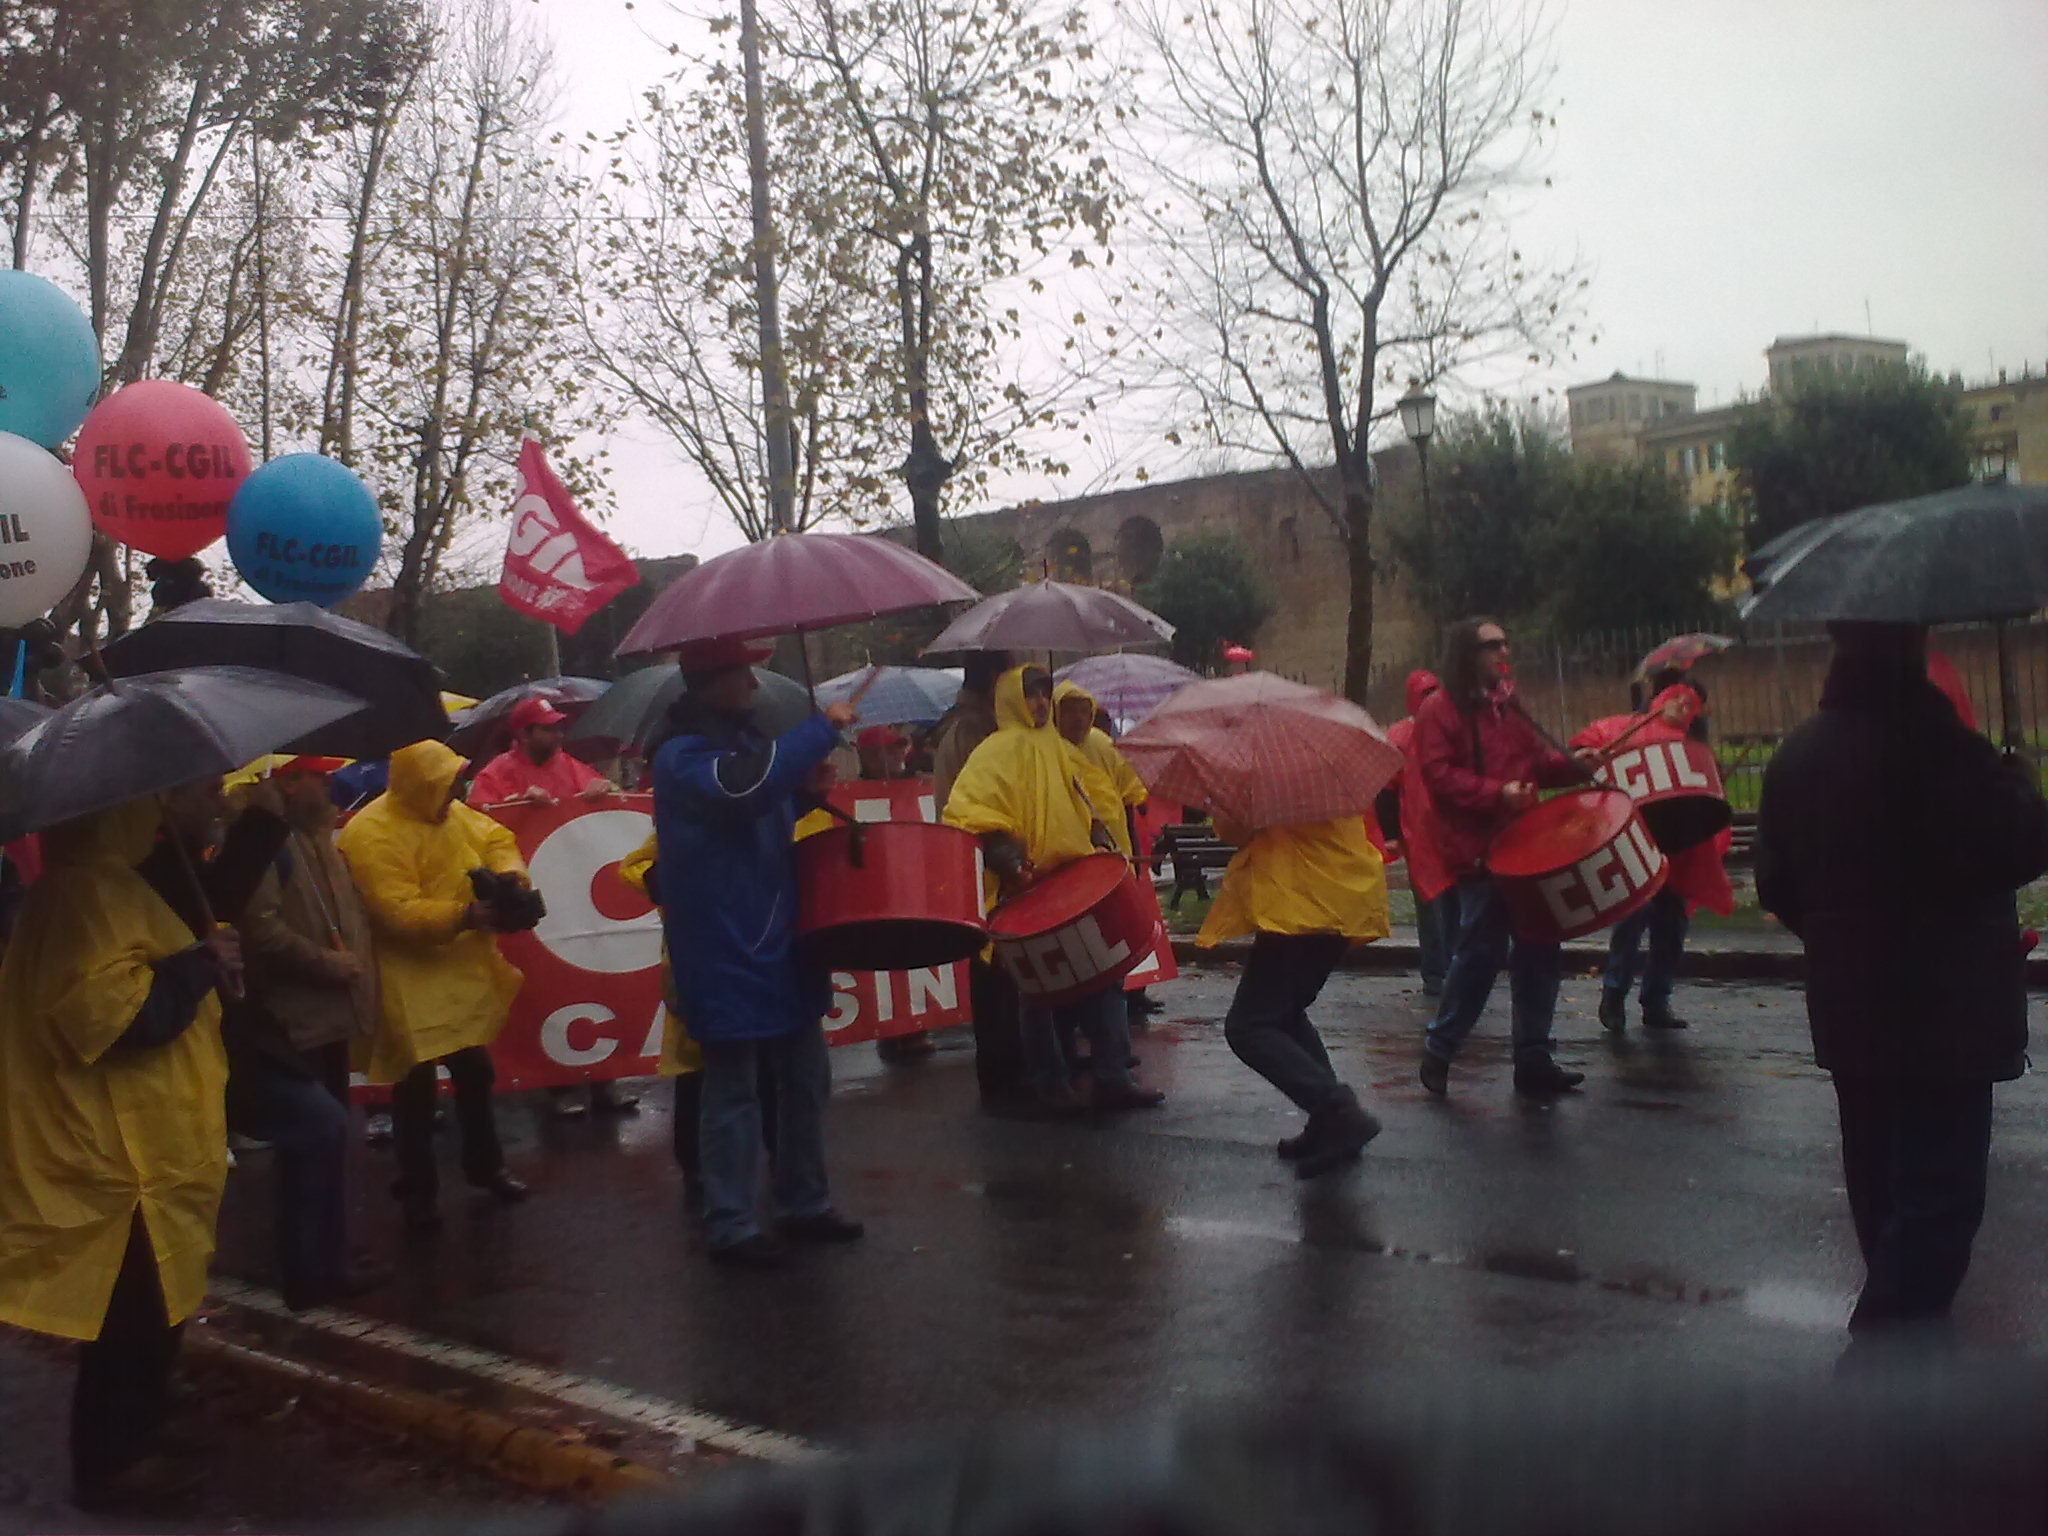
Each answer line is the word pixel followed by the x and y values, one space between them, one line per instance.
pixel 633 712
pixel 17 715
pixel 1053 616
pixel 481 731
pixel 142 735
pixel 1974 553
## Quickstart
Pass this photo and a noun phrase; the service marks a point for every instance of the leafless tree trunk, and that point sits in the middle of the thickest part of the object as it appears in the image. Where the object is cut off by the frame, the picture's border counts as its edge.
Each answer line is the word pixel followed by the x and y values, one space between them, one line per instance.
pixel 1341 176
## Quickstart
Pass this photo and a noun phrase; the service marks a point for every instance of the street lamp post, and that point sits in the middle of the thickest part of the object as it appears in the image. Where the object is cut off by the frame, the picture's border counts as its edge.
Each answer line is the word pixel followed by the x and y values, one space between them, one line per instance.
pixel 1418 420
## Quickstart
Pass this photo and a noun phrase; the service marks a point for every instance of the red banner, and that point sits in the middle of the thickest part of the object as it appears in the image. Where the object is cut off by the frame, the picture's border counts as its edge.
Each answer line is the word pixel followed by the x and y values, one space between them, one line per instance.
pixel 558 568
pixel 591 1006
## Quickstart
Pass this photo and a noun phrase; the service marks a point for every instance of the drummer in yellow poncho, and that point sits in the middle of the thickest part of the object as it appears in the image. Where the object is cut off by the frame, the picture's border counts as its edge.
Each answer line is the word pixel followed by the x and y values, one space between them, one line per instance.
pixel 1305 893
pixel 446 987
pixel 1022 791
pixel 113 1141
pixel 1112 782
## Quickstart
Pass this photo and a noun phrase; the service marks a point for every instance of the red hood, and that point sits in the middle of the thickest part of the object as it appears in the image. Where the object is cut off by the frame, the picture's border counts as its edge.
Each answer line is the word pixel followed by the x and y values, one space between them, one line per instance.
pixel 1420 686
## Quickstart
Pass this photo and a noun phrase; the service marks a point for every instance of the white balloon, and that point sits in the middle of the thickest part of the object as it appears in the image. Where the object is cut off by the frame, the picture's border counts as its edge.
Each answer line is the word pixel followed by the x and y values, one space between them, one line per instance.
pixel 45 531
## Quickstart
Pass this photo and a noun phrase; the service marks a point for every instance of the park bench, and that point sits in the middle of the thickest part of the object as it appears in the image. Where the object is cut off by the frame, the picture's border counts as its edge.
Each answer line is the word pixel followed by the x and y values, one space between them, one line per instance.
pixel 1193 850
pixel 1742 850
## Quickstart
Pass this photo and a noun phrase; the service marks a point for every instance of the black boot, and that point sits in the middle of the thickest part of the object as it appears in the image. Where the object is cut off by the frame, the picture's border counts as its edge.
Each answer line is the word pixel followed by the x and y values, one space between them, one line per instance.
pixel 1660 1016
pixel 1614 1010
pixel 1341 1128
pixel 1546 1078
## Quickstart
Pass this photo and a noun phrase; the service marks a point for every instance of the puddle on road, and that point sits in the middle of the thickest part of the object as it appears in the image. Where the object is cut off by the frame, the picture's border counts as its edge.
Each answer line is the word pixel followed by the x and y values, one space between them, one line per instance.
pixel 1774 1301
pixel 1796 1305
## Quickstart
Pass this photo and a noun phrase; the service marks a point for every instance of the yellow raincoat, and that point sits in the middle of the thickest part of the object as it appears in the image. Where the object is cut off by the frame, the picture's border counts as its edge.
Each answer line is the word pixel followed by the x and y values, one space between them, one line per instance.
pixel 1112 783
pixel 89 1135
pixel 1025 781
pixel 445 987
pixel 1314 877
pixel 679 1053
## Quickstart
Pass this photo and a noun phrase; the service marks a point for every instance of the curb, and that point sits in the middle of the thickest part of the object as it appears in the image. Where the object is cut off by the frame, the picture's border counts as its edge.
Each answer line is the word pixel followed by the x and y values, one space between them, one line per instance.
pixel 1706 964
pixel 529 1457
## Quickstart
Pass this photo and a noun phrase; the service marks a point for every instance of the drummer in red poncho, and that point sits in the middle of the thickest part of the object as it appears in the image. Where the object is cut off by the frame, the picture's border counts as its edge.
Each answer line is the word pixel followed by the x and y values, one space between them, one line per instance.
pixel 1697 878
pixel 1408 829
pixel 535 767
pixel 1483 764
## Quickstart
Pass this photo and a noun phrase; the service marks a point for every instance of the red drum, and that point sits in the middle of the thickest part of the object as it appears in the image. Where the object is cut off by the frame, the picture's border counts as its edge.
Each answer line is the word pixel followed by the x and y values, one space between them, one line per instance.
pixel 1077 931
pixel 1676 786
pixel 1575 864
pixel 889 896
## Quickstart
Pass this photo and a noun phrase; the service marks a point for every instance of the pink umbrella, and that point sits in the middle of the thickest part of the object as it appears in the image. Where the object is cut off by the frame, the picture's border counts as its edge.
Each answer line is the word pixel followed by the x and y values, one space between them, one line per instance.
pixel 1053 616
pixel 1263 751
pixel 792 583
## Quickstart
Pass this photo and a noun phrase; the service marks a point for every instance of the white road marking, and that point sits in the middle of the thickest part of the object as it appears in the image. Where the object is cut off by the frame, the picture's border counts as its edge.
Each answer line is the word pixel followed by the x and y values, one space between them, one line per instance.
pixel 676 1420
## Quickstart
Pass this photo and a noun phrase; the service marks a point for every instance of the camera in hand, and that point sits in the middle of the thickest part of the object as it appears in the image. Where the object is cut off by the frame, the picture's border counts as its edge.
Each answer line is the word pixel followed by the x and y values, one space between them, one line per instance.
pixel 514 905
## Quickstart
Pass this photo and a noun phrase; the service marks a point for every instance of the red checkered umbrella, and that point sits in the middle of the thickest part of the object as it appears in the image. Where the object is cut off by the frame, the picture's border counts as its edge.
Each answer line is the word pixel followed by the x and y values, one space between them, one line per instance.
pixel 1265 752
pixel 1680 651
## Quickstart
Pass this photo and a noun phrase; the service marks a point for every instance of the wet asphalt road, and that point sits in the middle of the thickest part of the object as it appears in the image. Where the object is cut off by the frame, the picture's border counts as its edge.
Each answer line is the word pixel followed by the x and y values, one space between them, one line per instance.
pixel 1684 1212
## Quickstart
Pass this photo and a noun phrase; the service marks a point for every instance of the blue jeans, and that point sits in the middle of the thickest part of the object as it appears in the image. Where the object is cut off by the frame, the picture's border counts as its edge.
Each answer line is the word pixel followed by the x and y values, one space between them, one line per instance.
pixel 307 1128
pixel 1663 919
pixel 1102 1019
pixel 1431 919
pixel 1484 945
pixel 730 1138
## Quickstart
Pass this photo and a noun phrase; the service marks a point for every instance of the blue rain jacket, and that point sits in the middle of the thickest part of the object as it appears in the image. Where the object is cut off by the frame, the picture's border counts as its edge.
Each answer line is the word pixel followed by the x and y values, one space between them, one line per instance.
pixel 725 806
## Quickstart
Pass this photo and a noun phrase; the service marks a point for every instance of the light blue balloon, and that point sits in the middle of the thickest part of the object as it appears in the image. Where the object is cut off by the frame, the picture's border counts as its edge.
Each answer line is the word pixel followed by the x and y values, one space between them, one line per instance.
pixel 49 361
pixel 304 529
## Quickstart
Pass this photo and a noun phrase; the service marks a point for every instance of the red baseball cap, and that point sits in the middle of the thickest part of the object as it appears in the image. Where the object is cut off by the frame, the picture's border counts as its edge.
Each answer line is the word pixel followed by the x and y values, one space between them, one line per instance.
pixel 535 711
pixel 719 653
pixel 881 736
pixel 308 764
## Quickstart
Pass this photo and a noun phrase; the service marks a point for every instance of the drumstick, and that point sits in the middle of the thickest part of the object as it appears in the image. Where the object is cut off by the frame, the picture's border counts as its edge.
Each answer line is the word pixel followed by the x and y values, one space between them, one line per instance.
pixel 1607 752
pixel 1552 742
pixel 867 682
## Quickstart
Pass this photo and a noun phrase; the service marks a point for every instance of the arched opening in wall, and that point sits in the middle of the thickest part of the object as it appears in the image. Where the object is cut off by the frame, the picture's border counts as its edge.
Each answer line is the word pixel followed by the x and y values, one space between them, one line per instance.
pixel 1069 557
pixel 1290 539
pixel 1138 548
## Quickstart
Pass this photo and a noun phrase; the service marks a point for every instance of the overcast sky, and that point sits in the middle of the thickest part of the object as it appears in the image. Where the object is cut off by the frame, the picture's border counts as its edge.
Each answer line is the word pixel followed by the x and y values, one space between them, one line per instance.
pixel 1726 170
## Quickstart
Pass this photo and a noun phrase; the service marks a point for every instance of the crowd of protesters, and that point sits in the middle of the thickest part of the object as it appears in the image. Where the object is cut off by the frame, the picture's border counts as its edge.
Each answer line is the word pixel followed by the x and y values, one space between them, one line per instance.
pixel 217 958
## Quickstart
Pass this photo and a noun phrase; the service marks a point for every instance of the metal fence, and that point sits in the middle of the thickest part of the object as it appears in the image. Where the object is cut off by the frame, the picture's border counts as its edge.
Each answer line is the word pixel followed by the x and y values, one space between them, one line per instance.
pixel 1765 684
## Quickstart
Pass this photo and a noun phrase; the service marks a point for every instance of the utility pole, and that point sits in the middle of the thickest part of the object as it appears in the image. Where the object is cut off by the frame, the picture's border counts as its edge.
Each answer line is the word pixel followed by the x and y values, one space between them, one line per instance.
pixel 774 382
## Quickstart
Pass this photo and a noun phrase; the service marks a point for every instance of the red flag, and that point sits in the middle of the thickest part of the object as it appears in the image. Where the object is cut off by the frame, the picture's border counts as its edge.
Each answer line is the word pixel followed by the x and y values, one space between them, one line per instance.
pixel 558 568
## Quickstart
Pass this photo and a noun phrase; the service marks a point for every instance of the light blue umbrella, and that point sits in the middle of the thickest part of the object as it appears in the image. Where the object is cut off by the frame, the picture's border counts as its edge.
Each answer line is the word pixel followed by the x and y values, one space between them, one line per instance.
pixel 897 695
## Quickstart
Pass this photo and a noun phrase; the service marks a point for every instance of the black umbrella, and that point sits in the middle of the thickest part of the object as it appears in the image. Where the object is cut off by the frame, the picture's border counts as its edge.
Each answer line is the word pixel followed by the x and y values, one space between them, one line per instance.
pixel 1978 552
pixel 1974 553
pixel 401 687
pixel 17 715
pixel 142 735
pixel 632 712
pixel 480 732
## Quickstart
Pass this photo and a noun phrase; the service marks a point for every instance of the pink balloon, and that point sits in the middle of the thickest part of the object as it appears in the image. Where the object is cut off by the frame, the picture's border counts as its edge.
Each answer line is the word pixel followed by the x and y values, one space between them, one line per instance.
pixel 159 463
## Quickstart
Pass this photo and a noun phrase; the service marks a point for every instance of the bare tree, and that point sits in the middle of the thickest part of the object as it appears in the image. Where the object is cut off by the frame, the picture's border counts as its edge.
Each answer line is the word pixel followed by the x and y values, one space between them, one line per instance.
pixel 975 127
pixel 468 335
pixel 1341 178
pixel 670 314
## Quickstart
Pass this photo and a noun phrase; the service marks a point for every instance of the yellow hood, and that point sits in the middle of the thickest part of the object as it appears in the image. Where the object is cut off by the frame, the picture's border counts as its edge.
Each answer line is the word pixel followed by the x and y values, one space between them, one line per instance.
pixel 423 776
pixel 1013 713
pixel 1024 781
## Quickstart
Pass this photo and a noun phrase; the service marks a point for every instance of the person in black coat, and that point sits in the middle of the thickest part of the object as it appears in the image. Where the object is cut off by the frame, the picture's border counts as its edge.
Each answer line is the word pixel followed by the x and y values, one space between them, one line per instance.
pixel 1891 838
